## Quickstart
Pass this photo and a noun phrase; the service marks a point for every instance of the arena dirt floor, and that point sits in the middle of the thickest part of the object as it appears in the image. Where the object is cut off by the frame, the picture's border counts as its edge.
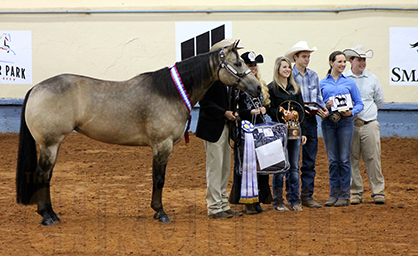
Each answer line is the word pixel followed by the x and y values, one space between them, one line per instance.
pixel 103 193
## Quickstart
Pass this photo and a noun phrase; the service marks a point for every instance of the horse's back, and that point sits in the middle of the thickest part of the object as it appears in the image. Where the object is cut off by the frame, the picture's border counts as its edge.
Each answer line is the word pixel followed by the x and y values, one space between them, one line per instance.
pixel 123 112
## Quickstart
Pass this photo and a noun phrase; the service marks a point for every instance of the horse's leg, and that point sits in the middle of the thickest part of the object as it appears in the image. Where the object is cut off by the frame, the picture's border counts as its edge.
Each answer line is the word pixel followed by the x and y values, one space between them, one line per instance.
pixel 47 159
pixel 161 153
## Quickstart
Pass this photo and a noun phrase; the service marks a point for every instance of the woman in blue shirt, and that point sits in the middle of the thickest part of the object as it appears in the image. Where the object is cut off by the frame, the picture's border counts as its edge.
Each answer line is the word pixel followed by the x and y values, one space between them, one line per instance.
pixel 344 101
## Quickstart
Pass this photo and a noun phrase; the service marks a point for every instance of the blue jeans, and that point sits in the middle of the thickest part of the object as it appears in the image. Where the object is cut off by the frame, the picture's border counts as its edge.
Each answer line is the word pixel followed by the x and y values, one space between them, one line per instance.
pixel 337 139
pixel 292 177
pixel 309 152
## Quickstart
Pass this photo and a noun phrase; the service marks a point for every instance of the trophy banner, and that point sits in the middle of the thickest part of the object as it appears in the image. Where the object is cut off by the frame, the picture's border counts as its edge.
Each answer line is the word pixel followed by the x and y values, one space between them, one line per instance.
pixel 270 143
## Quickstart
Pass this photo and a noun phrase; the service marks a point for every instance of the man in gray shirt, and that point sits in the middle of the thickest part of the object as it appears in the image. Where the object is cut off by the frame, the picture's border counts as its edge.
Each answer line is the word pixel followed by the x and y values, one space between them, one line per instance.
pixel 366 137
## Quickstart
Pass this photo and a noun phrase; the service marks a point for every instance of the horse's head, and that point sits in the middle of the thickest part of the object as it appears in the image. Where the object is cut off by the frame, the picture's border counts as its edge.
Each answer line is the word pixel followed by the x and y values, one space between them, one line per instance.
pixel 234 72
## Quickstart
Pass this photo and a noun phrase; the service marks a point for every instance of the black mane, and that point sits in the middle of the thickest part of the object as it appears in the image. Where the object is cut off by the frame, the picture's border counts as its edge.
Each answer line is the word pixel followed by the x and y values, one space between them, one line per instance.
pixel 192 71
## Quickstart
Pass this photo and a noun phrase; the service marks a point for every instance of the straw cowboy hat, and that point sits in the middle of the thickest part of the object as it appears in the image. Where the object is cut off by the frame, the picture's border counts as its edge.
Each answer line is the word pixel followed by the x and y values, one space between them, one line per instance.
pixel 250 57
pixel 224 43
pixel 301 46
pixel 358 51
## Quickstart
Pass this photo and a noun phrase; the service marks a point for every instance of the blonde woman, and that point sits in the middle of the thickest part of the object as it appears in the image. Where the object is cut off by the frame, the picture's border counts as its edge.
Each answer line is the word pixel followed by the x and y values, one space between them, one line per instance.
pixel 246 110
pixel 283 88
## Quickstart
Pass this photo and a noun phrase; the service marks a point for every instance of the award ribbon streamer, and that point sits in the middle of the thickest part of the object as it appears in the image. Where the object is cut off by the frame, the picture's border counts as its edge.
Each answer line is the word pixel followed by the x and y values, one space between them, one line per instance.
pixel 249 186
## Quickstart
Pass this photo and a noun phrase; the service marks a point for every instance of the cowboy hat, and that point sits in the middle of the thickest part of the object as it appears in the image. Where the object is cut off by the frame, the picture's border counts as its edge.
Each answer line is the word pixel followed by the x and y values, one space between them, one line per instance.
pixel 250 57
pixel 301 46
pixel 224 43
pixel 358 51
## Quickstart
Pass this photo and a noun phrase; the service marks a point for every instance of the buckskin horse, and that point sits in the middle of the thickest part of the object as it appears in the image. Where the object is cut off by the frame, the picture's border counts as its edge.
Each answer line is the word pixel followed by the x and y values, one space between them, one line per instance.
pixel 150 109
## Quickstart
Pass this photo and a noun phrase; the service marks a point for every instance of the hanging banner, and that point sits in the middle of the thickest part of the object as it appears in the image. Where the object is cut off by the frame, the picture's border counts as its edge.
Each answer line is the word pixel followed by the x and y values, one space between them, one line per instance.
pixel 403 50
pixel 15 57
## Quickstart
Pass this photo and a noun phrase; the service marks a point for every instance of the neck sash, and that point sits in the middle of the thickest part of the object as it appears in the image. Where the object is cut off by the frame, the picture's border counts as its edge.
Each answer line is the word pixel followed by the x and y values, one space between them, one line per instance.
pixel 184 96
pixel 180 87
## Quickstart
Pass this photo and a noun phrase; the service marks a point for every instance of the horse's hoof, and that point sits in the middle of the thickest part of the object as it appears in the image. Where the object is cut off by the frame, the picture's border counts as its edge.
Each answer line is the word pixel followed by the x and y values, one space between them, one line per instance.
pixel 164 219
pixel 161 217
pixel 47 222
pixel 55 218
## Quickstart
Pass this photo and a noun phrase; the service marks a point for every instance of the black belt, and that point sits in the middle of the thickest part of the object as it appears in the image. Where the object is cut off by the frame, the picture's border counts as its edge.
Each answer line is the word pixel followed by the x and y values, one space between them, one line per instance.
pixel 366 122
pixel 358 122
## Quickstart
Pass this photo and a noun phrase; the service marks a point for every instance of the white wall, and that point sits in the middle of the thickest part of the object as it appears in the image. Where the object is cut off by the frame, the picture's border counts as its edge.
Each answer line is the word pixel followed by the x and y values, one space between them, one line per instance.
pixel 117 46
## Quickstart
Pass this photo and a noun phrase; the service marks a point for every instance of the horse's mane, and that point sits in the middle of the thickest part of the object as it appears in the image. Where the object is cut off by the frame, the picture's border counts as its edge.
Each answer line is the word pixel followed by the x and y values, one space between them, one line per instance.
pixel 192 71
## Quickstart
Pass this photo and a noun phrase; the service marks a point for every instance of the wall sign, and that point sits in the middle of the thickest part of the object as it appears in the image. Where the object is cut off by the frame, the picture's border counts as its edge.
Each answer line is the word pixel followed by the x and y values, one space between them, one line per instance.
pixel 403 52
pixel 15 57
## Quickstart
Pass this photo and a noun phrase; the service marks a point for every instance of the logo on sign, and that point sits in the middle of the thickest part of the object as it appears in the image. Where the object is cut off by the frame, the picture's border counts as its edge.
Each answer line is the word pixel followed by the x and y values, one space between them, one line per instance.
pixel 15 57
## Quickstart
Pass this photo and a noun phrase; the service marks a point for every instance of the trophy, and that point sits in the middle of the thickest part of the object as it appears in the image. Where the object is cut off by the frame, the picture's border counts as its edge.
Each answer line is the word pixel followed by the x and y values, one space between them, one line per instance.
pixel 293 115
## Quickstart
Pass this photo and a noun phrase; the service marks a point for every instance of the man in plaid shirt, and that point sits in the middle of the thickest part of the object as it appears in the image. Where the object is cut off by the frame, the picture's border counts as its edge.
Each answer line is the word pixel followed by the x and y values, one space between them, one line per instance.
pixel 308 80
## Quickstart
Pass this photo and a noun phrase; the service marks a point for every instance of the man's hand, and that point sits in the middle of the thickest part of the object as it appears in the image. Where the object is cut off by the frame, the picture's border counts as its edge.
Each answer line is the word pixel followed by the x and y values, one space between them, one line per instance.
pixel 322 113
pixel 230 115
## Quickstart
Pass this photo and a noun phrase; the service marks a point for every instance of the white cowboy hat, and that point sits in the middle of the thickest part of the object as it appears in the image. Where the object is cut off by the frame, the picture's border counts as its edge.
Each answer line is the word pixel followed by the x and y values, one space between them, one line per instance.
pixel 358 51
pixel 224 43
pixel 301 46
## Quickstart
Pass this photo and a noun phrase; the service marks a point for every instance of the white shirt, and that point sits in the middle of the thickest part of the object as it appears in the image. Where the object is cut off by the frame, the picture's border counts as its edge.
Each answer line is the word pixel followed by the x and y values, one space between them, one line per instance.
pixel 371 93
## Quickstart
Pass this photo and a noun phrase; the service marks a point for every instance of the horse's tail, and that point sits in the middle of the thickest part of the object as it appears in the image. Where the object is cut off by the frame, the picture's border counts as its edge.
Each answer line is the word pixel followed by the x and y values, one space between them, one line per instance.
pixel 26 186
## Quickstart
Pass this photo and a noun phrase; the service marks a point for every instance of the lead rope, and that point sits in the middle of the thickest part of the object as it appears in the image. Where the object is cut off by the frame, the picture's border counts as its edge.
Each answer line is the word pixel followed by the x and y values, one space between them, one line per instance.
pixel 257 104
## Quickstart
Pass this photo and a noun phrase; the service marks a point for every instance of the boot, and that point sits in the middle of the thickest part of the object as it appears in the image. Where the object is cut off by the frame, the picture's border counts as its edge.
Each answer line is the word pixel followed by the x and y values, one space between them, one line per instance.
pixel 277 197
pixel 250 209
pixel 258 208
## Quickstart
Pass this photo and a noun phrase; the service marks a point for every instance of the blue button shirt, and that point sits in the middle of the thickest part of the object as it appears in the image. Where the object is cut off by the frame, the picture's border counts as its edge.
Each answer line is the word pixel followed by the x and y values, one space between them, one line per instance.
pixel 344 85
pixel 309 85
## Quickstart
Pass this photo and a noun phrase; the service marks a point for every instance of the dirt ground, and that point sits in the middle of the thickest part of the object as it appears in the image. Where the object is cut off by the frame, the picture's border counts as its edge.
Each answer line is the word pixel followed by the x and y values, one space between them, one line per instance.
pixel 103 193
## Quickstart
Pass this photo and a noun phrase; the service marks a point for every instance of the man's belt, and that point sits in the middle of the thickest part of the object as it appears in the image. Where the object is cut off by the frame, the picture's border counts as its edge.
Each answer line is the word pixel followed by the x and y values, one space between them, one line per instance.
pixel 358 122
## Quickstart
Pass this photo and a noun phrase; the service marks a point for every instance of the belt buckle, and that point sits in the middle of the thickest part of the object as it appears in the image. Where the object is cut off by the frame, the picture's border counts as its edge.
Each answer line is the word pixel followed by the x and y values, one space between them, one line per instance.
pixel 335 117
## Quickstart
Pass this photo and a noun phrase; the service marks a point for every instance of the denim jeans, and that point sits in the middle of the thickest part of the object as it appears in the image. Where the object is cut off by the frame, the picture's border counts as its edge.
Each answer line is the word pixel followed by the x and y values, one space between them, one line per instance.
pixel 292 177
pixel 309 152
pixel 337 139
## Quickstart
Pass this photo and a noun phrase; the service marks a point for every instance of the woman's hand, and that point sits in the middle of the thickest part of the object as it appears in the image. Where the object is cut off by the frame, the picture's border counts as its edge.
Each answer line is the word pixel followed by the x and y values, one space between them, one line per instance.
pixel 329 104
pixel 345 113
pixel 258 111
pixel 304 139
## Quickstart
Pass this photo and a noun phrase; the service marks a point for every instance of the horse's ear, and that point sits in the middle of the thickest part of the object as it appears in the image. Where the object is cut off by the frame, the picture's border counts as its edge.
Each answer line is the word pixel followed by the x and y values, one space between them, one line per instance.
pixel 236 44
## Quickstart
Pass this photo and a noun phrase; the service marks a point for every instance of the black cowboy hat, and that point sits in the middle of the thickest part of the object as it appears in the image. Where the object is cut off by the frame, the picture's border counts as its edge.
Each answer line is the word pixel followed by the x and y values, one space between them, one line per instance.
pixel 250 57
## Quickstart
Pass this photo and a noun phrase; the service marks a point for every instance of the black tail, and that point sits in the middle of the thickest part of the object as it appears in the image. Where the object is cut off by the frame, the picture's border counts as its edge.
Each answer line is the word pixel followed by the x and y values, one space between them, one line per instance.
pixel 26 186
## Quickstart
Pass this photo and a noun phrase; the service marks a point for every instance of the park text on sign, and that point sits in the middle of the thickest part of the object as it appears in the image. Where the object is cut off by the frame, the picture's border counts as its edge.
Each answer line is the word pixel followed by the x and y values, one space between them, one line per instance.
pixel 15 57
pixel 403 56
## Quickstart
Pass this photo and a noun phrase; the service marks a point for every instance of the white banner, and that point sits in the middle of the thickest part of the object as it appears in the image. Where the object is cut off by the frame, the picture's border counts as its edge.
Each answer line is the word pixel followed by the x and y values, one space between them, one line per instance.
pixel 15 57
pixel 403 50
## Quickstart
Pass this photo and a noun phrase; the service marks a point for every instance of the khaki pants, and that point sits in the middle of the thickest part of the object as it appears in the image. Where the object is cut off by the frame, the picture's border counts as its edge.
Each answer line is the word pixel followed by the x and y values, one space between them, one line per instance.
pixel 366 145
pixel 218 167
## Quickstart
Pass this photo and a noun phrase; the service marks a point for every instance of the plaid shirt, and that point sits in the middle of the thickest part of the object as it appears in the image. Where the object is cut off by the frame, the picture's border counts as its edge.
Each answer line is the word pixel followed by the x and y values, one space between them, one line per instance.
pixel 309 86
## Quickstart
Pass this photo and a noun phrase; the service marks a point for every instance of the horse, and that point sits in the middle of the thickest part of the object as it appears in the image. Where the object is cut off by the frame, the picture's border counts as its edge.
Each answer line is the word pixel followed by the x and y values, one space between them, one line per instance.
pixel 150 109
pixel 289 115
